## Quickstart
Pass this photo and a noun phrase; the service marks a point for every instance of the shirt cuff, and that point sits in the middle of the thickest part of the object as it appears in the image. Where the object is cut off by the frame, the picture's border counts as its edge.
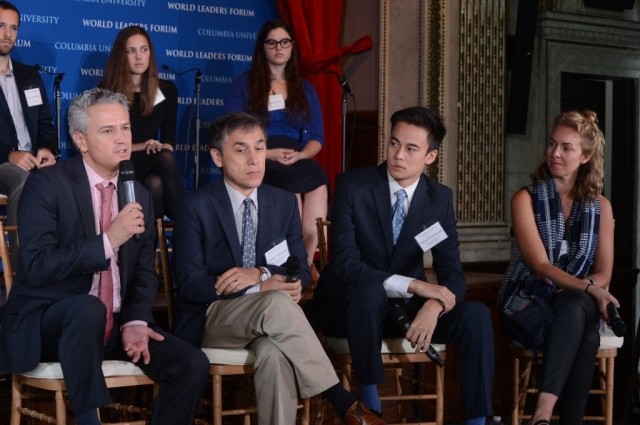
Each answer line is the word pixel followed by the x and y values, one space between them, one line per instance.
pixel 133 323
pixel 108 251
pixel 253 289
pixel 397 286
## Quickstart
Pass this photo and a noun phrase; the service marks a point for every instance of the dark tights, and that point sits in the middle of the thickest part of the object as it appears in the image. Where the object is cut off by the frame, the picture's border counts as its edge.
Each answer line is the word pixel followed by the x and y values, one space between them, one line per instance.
pixel 160 174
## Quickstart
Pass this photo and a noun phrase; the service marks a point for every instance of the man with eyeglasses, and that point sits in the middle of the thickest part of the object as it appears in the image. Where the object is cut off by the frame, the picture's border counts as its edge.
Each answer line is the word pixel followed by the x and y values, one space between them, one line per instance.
pixel 274 90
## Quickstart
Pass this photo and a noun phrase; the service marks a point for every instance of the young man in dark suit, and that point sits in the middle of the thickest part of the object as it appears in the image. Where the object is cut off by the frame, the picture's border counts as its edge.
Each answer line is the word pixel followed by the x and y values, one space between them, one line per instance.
pixel 27 137
pixel 231 238
pixel 383 221
pixel 85 287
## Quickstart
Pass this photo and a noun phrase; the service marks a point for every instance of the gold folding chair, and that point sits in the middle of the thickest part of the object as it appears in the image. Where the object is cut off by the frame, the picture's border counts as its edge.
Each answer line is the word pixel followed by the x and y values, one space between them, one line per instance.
pixel 526 382
pixel 48 376
pixel 165 233
pixel 322 225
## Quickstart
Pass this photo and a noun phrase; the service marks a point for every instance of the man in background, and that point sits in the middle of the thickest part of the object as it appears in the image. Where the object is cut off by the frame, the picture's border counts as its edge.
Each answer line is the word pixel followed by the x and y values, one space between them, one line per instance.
pixel 27 136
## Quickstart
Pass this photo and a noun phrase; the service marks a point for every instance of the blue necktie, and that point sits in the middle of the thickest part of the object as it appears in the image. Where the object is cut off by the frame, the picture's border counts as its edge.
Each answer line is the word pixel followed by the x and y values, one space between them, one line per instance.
pixel 248 236
pixel 398 214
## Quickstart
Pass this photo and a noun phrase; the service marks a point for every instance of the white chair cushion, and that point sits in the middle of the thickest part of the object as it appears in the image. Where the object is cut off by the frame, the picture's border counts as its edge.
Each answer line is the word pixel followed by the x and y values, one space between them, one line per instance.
pixel 389 346
pixel 608 339
pixel 229 356
pixel 109 368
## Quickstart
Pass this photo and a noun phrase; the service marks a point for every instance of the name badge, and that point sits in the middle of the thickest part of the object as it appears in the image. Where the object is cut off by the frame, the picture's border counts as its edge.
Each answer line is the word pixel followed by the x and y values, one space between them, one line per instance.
pixel 276 102
pixel 159 97
pixel 278 255
pixel 33 97
pixel 431 237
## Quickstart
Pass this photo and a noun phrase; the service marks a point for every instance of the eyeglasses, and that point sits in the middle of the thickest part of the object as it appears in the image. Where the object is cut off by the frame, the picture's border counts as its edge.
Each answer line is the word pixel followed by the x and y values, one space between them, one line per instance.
pixel 285 43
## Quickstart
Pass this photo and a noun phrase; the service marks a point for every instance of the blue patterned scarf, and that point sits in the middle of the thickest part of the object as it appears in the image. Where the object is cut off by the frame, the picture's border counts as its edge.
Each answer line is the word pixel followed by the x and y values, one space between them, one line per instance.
pixel 524 297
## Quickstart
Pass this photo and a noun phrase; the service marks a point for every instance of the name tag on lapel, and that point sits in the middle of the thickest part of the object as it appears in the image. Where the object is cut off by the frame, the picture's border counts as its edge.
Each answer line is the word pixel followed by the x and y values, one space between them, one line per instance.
pixel 278 255
pixel 431 236
pixel 33 97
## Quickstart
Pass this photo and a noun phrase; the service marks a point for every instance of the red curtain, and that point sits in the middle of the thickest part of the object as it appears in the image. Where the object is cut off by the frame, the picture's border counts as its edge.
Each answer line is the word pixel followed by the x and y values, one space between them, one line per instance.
pixel 317 25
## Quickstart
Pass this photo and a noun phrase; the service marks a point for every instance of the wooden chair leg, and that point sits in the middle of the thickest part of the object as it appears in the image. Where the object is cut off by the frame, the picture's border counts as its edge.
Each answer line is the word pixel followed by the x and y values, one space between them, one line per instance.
pixel 608 410
pixel 346 376
pixel 440 393
pixel 306 412
pixel 217 399
pixel 398 374
pixel 61 410
pixel 516 392
pixel 16 400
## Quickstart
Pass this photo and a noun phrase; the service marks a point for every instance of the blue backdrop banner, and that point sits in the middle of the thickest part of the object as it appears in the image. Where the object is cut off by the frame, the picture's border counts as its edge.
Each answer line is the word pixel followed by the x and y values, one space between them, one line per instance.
pixel 215 37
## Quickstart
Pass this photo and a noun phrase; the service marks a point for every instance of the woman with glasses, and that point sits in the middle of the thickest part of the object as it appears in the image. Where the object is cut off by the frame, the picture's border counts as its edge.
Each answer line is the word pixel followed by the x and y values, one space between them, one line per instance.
pixel 561 263
pixel 132 71
pixel 274 90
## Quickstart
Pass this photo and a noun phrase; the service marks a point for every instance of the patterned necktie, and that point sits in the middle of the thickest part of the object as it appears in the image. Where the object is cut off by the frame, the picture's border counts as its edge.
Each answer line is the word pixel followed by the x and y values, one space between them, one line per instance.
pixel 248 236
pixel 398 214
pixel 105 290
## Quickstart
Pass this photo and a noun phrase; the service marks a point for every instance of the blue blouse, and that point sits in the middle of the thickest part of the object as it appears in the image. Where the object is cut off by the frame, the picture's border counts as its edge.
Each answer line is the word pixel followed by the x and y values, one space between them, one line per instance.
pixel 279 125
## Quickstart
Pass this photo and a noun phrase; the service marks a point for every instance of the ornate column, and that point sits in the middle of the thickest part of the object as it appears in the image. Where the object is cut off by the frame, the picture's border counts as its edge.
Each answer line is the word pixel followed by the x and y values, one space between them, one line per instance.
pixel 449 55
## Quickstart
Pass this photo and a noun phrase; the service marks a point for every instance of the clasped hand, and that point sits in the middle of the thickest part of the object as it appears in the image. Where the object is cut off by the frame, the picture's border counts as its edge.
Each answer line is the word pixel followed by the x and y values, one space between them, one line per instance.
pixel 153 146
pixel 128 222
pixel 28 162
pixel 237 279
pixel 284 156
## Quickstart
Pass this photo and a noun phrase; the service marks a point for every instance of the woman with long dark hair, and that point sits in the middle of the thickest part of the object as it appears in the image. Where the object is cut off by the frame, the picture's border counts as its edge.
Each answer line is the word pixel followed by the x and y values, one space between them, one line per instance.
pixel 273 89
pixel 132 70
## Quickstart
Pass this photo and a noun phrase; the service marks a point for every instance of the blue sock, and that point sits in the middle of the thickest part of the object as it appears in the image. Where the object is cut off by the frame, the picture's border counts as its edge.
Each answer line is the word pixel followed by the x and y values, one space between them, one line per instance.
pixel 370 397
pixel 87 418
pixel 480 420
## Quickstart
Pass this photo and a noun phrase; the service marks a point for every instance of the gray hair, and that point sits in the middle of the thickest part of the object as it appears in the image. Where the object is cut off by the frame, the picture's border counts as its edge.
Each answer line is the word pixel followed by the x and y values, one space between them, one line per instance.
pixel 78 114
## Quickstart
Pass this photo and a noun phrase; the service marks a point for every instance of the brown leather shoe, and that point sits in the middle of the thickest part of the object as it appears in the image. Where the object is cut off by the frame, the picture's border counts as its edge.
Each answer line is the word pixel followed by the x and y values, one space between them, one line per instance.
pixel 358 414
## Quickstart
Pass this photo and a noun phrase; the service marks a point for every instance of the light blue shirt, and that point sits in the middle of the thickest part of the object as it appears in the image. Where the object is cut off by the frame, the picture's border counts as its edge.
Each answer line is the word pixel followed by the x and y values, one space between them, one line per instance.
pixel 237 206
pixel 11 94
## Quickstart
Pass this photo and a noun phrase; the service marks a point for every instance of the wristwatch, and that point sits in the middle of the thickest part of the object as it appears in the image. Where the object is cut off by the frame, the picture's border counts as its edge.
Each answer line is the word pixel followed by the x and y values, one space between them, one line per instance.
pixel 264 274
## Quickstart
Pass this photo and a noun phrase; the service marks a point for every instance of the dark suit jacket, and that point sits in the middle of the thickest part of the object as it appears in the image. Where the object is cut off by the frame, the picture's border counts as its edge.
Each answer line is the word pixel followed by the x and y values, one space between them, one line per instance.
pixel 60 251
pixel 206 244
pixel 38 118
pixel 362 248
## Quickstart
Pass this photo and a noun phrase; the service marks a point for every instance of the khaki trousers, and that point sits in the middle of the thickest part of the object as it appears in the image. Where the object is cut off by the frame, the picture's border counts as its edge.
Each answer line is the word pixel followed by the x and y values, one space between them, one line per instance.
pixel 288 353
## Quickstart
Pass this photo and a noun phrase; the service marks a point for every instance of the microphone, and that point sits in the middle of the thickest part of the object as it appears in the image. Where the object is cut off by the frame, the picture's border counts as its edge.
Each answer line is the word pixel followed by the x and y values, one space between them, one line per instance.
pixel 59 75
pixel 616 323
pixel 341 81
pixel 401 319
pixel 127 176
pixel 168 68
pixel 292 267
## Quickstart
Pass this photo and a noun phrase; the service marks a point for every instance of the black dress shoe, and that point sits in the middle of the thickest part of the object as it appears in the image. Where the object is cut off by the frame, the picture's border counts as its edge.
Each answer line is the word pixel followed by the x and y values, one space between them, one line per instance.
pixel 358 414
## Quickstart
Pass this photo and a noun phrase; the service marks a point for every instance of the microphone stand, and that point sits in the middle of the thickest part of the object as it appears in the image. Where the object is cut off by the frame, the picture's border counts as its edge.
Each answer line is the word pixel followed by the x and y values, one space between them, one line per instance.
pixel 56 95
pixel 197 155
pixel 196 158
pixel 346 89
pixel 344 128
